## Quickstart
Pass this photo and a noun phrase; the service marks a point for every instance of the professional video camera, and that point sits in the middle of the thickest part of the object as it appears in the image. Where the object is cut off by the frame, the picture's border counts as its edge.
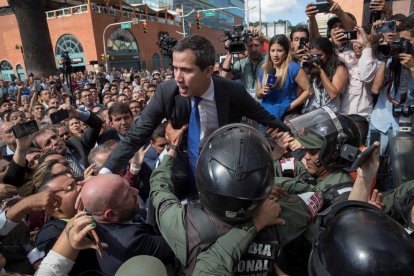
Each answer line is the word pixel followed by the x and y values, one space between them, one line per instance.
pixel 166 44
pixel 237 37
pixel 308 64
pixel 385 51
pixel 67 62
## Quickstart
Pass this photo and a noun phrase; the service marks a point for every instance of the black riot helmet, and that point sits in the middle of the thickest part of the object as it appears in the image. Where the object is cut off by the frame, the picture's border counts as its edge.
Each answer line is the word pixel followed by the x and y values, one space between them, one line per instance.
pixel 234 172
pixel 356 238
pixel 340 134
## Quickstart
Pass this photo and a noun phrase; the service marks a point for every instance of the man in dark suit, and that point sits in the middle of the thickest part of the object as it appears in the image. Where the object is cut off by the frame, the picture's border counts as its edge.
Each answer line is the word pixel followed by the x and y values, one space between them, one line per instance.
pixel 9 142
pixel 120 119
pixel 223 102
pixel 74 149
pixel 112 201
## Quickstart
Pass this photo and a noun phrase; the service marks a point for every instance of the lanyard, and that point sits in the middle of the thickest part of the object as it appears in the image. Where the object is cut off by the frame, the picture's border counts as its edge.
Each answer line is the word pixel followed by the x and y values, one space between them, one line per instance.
pixel 254 70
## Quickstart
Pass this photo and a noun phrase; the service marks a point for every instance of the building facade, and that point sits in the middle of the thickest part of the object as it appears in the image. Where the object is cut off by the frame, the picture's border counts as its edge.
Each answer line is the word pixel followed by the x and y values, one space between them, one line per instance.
pixel 82 31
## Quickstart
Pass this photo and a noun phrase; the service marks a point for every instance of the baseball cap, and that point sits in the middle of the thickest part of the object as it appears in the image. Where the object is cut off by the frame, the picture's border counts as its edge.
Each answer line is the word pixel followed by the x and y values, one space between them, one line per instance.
pixel 310 141
pixel 336 19
pixel 155 72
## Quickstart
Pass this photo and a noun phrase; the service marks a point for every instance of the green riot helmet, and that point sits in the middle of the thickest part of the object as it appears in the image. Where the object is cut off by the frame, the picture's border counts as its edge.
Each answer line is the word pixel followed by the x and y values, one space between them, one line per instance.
pixel 234 172
pixel 340 134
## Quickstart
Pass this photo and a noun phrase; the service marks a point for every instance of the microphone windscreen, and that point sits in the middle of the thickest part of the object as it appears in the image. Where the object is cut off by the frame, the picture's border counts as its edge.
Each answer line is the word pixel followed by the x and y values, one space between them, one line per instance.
pixel 272 71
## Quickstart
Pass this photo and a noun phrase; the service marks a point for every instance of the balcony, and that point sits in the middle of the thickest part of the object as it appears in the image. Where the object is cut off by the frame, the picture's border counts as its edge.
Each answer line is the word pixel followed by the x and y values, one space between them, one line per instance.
pixel 75 10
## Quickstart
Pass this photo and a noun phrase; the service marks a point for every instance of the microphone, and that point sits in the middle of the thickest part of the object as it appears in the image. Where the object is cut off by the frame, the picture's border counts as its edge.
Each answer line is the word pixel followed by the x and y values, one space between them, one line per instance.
pixel 270 78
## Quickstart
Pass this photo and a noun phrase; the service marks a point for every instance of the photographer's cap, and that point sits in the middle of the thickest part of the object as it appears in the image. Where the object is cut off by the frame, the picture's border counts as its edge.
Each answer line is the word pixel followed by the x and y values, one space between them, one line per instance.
pixel 333 20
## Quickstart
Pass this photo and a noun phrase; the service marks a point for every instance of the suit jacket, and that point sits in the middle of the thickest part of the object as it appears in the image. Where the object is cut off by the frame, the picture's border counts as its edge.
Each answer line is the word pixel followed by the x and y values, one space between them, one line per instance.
pixel 107 135
pixel 81 147
pixel 232 101
pixel 48 235
pixel 126 240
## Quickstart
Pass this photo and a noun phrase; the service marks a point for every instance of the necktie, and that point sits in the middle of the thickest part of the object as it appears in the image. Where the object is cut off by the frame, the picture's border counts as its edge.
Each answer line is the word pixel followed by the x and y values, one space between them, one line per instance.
pixel 193 139
pixel 74 165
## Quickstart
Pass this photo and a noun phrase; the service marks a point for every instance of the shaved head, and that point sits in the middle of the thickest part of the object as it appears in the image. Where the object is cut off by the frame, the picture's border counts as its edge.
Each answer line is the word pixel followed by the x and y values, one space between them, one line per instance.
pixel 109 192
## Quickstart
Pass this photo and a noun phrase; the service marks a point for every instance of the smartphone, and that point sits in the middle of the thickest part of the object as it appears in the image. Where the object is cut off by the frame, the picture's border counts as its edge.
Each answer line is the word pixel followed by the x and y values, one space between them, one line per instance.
pixel 362 158
pixel 323 6
pixel 24 129
pixel 38 85
pixel 387 27
pixel 59 116
pixel 303 41
pixel 350 35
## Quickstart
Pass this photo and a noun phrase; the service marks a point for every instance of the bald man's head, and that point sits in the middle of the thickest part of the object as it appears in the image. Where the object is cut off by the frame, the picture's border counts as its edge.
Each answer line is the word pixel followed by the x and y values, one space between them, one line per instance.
pixel 109 198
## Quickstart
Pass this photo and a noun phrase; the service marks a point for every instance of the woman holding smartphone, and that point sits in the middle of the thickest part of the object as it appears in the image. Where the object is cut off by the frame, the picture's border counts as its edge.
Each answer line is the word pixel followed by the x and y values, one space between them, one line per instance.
pixel 328 74
pixel 291 88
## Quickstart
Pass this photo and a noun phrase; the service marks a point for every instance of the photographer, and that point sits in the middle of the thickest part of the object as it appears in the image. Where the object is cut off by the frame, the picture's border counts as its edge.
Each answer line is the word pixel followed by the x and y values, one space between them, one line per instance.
pixel 361 64
pixel 388 88
pixel 328 75
pixel 311 10
pixel 299 43
pixel 248 67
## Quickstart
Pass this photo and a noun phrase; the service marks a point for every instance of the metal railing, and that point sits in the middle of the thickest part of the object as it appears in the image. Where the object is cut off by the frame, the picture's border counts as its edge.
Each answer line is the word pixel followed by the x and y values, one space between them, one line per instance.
pixel 67 11
pixel 109 11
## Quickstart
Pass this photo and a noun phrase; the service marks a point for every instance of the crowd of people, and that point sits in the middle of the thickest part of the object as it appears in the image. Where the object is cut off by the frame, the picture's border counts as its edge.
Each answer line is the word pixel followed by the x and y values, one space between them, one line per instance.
pixel 262 165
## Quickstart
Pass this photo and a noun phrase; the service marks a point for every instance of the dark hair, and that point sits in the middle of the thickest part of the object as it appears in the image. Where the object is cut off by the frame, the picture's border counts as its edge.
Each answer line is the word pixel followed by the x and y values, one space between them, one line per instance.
pixel 407 24
pixel 204 51
pixel 8 114
pixel 325 45
pixel 398 17
pixel 159 132
pixel 119 108
pixel 299 29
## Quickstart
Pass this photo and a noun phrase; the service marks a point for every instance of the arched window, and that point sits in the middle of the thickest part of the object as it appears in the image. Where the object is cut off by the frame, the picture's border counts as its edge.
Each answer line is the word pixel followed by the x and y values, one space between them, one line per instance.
pixel 5 65
pixel 68 43
pixel 156 61
pixel 20 72
pixel 121 41
pixel 166 61
pixel 6 70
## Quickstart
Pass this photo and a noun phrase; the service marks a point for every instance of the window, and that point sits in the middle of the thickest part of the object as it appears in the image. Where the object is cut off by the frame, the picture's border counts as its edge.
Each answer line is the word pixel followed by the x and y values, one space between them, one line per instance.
pixel 68 43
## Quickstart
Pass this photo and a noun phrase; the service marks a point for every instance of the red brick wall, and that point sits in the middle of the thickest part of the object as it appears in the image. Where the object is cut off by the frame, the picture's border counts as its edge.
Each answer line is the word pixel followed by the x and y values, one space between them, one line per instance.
pixel 9 39
pixel 355 7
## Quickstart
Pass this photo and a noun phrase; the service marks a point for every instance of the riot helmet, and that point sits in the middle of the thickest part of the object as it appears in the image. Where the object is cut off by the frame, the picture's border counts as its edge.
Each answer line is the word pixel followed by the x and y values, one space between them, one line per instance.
pixel 356 238
pixel 234 172
pixel 340 135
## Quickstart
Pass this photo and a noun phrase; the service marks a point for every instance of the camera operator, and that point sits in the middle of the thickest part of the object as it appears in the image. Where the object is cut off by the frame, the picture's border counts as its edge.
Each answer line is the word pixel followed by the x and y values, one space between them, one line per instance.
pixel 328 75
pixel 248 67
pixel 362 65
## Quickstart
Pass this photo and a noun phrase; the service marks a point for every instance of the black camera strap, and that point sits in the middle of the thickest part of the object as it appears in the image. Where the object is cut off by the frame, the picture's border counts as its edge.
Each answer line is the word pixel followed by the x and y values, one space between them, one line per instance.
pixel 398 77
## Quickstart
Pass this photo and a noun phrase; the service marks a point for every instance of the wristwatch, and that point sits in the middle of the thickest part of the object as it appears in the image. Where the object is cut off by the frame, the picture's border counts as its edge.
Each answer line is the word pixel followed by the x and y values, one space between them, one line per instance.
pixel 173 147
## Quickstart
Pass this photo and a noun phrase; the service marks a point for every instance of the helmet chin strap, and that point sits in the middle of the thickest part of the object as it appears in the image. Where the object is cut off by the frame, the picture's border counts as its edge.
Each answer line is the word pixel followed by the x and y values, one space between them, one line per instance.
pixel 342 137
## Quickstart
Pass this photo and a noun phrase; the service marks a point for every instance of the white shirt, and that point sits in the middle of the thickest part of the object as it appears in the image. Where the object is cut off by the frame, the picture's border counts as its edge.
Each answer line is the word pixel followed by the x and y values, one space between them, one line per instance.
pixel 208 113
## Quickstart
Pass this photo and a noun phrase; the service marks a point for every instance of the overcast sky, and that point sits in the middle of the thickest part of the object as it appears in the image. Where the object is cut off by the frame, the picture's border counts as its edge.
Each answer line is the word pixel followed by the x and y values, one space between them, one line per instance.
pixel 273 10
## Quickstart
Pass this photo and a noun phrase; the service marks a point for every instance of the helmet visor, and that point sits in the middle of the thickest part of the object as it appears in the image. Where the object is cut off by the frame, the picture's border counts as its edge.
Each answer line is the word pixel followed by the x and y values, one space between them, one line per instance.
pixel 321 122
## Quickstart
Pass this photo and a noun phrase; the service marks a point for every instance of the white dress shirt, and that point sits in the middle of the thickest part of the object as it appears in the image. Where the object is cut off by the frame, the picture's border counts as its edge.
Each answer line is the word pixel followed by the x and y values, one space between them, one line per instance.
pixel 208 113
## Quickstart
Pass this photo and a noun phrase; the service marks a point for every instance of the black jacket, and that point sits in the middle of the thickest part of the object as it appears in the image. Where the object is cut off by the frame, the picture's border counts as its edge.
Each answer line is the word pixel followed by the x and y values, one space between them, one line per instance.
pixel 232 101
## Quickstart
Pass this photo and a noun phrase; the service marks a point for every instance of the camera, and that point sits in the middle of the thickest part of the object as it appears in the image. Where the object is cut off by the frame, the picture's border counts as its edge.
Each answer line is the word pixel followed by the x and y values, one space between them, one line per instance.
pixel 237 37
pixel 308 64
pixel 166 44
pixel 303 41
pixel 387 27
pixel 67 62
pixel 385 51
pixel 350 35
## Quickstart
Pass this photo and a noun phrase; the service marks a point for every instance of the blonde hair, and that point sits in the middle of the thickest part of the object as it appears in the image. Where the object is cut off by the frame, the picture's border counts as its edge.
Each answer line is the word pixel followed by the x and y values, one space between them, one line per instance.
pixel 283 41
